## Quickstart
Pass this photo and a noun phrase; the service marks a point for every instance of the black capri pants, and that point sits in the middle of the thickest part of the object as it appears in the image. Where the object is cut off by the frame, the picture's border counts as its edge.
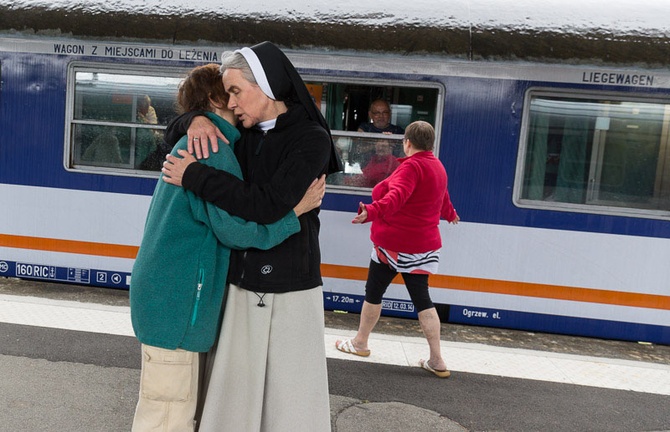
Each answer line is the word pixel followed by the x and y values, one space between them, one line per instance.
pixel 380 277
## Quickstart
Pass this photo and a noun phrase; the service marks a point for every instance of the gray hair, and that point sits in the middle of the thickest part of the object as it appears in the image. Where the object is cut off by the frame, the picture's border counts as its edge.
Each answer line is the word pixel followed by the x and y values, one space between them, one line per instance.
pixel 421 134
pixel 235 60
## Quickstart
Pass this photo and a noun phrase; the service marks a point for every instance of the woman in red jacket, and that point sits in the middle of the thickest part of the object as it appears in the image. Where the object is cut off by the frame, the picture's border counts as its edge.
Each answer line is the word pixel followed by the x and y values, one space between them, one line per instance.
pixel 405 215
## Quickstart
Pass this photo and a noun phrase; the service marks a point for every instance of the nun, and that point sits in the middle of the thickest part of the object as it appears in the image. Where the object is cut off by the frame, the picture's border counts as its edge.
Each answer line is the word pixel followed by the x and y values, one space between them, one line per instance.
pixel 269 368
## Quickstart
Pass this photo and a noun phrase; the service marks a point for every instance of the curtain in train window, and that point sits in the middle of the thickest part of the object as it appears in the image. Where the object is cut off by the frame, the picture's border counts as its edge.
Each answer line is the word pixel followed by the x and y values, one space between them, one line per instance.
pixel 597 152
pixel 119 119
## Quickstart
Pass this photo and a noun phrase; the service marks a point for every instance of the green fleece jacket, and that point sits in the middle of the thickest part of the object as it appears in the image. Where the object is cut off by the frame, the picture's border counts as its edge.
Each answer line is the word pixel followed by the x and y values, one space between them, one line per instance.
pixel 179 276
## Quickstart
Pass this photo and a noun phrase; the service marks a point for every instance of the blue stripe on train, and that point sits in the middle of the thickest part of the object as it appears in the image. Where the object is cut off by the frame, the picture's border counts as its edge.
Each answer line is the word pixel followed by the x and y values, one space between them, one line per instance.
pixel 604 329
pixel 500 318
pixel 50 273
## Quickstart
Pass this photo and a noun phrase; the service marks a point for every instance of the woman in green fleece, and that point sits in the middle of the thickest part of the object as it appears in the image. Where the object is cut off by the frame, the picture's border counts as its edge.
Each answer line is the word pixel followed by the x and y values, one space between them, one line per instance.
pixel 179 276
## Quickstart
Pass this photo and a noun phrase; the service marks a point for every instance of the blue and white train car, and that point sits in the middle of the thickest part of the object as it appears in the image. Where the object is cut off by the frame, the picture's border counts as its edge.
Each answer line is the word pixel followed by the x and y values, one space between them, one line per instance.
pixel 555 135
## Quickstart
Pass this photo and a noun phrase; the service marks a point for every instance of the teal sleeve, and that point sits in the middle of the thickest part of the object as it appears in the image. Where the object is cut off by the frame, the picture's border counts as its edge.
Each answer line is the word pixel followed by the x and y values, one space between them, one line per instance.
pixel 236 233
pixel 232 231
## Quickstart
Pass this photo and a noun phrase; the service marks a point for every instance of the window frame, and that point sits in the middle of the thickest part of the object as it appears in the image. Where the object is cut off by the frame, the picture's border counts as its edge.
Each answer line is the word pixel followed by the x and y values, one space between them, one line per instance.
pixel 70 121
pixel 586 207
pixel 179 72
pixel 377 82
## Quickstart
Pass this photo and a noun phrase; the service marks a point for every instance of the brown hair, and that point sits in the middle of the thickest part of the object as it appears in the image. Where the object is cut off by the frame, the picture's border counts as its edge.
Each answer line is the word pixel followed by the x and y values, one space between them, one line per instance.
pixel 421 134
pixel 201 84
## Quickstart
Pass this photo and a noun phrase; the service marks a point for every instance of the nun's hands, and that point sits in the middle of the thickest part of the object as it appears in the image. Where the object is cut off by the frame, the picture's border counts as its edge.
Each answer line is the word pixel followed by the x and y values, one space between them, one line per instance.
pixel 201 134
pixel 174 167
pixel 313 196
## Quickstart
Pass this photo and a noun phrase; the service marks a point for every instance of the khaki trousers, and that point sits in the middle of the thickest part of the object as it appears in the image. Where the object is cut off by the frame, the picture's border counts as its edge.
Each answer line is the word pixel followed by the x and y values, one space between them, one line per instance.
pixel 168 390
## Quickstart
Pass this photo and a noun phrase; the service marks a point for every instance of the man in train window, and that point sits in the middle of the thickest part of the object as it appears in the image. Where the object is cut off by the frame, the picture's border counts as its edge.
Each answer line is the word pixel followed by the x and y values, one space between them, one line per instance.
pixel 379 115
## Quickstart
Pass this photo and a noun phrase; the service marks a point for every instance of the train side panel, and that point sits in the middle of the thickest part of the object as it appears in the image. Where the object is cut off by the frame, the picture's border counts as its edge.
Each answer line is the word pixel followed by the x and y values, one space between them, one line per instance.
pixel 507 264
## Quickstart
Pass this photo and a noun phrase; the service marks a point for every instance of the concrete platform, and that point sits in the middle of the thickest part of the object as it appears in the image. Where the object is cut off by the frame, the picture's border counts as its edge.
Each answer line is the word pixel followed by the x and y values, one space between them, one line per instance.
pixel 69 344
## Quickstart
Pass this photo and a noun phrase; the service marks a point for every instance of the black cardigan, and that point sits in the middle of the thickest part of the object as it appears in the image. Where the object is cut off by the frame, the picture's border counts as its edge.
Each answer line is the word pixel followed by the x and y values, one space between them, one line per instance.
pixel 278 167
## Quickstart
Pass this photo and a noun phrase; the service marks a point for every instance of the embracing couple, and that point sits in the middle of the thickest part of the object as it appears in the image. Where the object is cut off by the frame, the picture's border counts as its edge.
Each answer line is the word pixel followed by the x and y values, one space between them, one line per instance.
pixel 229 264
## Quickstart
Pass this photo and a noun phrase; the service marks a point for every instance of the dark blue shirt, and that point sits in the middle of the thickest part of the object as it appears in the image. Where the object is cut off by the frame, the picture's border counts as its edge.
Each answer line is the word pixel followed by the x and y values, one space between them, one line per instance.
pixel 391 128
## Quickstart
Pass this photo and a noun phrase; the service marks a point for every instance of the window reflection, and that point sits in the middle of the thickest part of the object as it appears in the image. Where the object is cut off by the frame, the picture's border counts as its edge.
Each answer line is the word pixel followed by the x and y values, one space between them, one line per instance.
pixel 369 156
pixel 597 152
pixel 118 119
pixel 367 160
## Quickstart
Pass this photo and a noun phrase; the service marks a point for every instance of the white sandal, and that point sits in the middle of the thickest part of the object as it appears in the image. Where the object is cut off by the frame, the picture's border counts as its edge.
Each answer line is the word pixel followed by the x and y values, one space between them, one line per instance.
pixel 440 373
pixel 347 346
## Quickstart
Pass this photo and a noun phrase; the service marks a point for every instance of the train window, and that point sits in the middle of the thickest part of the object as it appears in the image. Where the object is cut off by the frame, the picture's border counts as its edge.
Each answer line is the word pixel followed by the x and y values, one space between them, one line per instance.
pixel 117 119
pixel 367 155
pixel 595 154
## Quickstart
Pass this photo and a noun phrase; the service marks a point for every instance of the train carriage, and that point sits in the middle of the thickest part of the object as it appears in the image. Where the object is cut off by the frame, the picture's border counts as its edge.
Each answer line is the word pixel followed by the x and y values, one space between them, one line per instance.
pixel 558 161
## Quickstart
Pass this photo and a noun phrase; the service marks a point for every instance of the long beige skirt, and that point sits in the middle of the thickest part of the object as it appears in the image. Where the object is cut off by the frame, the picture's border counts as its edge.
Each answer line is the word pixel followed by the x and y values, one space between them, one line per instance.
pixel 269 371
